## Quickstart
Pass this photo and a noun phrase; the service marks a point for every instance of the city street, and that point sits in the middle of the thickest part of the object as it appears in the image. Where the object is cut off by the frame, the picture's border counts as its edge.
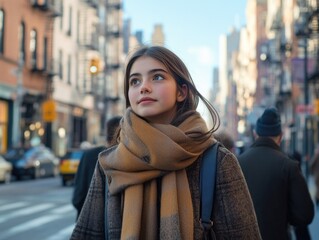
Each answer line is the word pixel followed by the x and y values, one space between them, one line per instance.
pixel 41 210
pixel 36 209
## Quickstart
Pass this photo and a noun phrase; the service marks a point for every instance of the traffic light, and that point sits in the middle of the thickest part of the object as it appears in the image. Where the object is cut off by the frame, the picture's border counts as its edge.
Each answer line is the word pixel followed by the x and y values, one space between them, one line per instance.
pixel 94 66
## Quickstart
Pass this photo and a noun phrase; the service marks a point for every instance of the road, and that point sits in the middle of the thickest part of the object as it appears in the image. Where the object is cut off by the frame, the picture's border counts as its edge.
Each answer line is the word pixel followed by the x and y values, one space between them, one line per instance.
pixel 41 210
pixel 36 209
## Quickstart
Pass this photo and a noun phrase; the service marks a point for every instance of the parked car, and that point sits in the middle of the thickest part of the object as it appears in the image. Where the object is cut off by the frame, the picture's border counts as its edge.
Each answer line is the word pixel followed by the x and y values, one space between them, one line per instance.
pixel 36 162
pixel 5 170
pixel 69 165
pixel 14 154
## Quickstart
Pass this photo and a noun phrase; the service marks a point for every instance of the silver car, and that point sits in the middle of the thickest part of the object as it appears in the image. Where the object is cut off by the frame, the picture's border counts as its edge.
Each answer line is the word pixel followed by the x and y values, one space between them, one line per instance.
pixel 5 170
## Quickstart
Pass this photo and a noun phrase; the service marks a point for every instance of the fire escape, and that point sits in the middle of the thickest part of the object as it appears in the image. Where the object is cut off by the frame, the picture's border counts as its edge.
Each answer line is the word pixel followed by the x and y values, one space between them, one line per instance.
pixel 52 9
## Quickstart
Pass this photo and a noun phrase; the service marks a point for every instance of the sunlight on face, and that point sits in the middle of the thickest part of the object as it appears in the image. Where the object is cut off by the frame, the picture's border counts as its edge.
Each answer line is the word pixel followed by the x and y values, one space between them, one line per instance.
pixel 153 91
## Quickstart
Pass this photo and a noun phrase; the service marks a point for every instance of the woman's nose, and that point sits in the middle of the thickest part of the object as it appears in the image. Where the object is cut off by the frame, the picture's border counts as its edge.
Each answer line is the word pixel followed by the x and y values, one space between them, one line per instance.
pixel 145 87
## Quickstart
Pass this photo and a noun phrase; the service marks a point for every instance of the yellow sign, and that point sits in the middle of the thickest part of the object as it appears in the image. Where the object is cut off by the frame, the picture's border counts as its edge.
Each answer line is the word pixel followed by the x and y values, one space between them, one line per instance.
pixel 316 103
pixel 48 111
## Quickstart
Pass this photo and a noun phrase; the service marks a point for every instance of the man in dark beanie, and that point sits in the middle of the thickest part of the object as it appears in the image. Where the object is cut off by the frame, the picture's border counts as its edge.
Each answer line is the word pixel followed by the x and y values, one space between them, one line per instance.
pixel 279 191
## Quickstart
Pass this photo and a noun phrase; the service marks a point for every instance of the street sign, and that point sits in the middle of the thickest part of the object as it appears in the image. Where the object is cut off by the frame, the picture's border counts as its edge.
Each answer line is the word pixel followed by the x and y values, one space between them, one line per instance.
pixel 302 108
pixel 48 111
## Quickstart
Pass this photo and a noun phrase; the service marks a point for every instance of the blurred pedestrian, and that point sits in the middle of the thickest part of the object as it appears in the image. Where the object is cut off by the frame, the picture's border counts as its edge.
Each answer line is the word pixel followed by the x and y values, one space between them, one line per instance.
pixel 314 170
pixel 153 174
pixel 226 139
pixel 278 189
pixel 87 165
pixel 301 232
pixel 295 155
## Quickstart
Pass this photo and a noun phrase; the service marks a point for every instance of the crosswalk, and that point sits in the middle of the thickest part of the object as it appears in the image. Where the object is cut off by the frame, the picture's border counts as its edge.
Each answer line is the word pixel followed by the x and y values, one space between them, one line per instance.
pixel 45 221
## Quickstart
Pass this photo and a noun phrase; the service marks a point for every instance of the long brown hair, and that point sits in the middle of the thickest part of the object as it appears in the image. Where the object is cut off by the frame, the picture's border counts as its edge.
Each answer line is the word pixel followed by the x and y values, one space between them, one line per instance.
pixel 179 71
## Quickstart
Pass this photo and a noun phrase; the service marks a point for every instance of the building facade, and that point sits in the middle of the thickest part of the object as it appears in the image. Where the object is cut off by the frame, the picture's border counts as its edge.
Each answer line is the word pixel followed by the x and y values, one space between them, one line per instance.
pixel 25 39
pixel 61 64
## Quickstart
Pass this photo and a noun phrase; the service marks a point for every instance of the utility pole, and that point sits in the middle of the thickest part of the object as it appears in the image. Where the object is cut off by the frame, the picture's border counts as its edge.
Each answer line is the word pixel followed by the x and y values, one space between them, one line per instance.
pixel 19 99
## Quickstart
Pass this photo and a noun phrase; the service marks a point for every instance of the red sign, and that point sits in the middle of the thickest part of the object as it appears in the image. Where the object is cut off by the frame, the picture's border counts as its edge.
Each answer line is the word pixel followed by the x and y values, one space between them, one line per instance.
pixel 302 108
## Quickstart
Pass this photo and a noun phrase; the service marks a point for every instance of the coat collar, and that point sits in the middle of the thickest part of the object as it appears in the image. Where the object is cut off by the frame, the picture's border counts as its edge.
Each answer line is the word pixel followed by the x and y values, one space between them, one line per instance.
pixel 266 142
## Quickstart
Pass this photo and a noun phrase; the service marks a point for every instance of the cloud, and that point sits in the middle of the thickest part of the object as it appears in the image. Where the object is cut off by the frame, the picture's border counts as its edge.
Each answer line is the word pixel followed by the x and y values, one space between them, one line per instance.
pixel 202 54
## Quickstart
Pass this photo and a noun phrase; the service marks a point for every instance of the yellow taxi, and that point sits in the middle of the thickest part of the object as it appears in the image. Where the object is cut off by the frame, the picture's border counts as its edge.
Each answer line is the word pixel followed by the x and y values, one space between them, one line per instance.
pixel 69 165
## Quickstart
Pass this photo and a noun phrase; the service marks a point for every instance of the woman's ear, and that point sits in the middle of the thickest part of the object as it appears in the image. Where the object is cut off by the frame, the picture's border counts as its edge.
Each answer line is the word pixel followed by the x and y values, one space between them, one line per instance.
pixel 182 93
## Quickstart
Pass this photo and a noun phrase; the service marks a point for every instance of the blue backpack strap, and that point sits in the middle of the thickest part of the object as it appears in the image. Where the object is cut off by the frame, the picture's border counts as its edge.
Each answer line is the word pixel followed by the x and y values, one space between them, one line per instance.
pixel 207 185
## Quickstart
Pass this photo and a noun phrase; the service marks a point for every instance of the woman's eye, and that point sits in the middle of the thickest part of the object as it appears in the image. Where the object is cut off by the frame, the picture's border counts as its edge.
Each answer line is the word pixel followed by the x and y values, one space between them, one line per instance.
pixel 158 77
pixel 134 81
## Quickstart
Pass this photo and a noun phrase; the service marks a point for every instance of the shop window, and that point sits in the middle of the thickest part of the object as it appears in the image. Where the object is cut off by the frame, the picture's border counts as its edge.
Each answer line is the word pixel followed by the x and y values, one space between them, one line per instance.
pixel 3 126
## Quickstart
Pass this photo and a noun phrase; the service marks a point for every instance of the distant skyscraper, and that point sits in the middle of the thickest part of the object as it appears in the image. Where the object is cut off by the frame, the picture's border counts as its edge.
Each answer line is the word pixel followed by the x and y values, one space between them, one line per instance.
pixel 216 84
pixel 126 34
pixel 139 36
pixel 158 37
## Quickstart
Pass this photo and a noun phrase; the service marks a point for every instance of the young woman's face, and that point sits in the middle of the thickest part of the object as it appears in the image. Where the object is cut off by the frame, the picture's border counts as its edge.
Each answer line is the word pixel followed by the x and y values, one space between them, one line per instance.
pixel 153 91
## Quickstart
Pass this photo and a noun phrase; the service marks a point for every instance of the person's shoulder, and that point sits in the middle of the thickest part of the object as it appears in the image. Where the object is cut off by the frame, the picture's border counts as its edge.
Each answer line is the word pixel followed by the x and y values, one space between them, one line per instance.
pixel 89 153
pixel 95 149
pixel 225 154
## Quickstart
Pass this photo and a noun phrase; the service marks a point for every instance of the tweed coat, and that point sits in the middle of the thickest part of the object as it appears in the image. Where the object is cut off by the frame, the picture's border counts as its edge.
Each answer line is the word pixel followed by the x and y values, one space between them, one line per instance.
pixel 234 216
pixel 278 189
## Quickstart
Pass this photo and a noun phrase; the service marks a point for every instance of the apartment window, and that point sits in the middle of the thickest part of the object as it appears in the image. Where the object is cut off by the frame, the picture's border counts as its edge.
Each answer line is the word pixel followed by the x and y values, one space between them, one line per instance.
pixel 78 27
pixel 1 31
pixel 61 17
pixel 77 72
pixel 70 22
pixel 61 65
pixel 45 53
pixel 69 69
pixel 33 48
pixel 22 40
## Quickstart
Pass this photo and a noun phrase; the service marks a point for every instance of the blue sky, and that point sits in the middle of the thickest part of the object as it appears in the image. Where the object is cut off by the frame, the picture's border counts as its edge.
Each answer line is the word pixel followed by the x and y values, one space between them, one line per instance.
pixel 192 29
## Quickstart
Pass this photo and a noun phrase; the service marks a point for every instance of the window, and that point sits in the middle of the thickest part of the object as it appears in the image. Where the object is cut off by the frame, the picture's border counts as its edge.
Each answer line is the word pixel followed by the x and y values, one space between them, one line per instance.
pixel 21 35
pixel 61 64
pixel 33 48
pixel 78 27
pixel 61 18
pixel 45 53
pixel 77 72
pixel 69 69
pixel 70 22
pixel 1 31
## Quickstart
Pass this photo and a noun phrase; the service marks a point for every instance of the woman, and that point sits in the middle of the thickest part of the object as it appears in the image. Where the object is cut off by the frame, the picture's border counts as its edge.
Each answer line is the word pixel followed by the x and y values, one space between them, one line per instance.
pixel 153 173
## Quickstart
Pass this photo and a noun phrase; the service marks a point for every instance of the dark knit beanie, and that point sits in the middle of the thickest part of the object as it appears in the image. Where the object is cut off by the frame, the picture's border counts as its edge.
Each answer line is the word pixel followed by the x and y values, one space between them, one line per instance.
pixel 269 124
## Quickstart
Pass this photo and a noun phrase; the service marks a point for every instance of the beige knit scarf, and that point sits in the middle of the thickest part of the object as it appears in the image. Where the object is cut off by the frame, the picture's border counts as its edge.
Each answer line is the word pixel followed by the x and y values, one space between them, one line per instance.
pixel 146 152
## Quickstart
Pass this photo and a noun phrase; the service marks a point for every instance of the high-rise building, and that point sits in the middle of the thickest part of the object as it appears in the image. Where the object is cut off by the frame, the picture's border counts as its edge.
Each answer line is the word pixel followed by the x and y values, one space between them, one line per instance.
pixel 158 37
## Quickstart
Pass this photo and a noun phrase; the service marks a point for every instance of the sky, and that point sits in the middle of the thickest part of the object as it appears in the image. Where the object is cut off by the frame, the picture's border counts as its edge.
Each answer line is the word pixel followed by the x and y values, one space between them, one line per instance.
pixel 192 29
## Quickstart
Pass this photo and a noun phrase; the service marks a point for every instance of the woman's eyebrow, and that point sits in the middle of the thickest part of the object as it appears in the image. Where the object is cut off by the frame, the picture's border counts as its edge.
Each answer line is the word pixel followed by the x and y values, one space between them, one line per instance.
pixel 134 74
pixel 149 72
pixel 157 70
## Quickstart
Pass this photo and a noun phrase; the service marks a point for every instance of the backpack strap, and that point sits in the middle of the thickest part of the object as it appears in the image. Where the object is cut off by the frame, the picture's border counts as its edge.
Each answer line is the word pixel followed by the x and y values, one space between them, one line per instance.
pixel 207 185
